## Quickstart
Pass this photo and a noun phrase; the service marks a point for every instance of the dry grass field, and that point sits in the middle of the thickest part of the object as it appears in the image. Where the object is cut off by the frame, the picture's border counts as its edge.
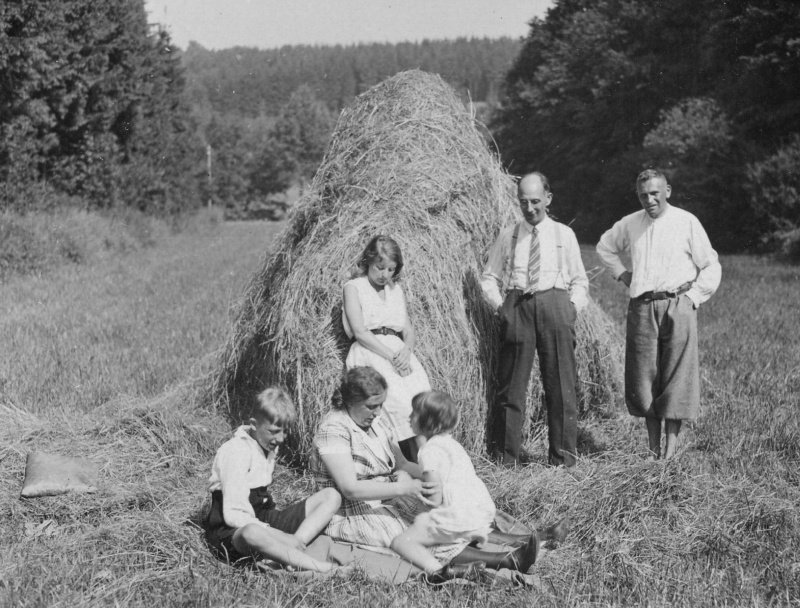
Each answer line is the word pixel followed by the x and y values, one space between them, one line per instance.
pixel 102 361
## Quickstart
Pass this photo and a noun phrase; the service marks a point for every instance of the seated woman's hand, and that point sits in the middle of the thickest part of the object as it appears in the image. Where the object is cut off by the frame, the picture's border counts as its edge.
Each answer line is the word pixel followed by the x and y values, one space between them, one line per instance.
pixel 402 361
pixel 431 488
pixel 412 487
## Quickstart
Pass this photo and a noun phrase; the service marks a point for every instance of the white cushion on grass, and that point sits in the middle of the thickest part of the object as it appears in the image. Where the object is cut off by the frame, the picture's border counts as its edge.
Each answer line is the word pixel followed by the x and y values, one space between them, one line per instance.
pixel 51 474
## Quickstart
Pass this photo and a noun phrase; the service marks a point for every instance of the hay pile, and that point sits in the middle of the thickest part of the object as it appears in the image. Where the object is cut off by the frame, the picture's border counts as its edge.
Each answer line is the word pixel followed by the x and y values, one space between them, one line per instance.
pixel 405 160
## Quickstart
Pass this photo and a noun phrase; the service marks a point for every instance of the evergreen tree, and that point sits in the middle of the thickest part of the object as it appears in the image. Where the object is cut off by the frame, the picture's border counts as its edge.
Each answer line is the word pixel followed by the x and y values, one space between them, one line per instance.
pixel 604 89
pixel 92 104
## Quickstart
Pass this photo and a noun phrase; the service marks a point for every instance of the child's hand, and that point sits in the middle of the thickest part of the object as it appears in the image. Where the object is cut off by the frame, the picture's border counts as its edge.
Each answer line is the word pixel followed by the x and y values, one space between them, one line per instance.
pixel 402 475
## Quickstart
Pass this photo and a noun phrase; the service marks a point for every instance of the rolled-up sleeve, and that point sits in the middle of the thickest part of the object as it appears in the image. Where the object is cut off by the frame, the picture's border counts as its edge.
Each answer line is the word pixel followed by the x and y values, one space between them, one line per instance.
pixel 333 438
pixel 493 272
pixel 578 281
pixel 709 271
pixel 612 243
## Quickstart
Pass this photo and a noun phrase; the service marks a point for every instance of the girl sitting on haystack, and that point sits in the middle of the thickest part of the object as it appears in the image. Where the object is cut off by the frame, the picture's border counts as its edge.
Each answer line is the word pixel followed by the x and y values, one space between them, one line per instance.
pixel 374 315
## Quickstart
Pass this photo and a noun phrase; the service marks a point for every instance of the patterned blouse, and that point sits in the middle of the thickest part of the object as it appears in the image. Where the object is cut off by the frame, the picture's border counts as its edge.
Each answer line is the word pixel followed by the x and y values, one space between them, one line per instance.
pixel 371 523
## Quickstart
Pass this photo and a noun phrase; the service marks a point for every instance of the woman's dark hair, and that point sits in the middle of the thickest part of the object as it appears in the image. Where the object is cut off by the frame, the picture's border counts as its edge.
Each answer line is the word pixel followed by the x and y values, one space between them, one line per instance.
pixel 381 246
pixel 358 385
pixel 436 412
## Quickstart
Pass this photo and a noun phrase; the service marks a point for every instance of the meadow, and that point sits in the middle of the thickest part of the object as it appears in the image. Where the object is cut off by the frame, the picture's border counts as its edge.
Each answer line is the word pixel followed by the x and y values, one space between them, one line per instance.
pixel 106 361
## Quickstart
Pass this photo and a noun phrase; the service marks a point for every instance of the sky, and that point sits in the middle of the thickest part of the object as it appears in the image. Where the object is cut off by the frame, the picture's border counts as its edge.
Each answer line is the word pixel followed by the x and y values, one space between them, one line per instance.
pixel 219 24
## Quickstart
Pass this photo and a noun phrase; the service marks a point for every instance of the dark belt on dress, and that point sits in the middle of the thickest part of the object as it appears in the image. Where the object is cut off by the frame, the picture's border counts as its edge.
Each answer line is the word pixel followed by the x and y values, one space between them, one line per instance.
pixel 649 296
pixel 385 331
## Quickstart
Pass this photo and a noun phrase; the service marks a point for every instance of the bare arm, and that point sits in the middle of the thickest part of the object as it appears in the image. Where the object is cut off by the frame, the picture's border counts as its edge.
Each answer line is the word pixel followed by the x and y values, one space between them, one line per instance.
pixel 352 308
pixel 343 472
pixel 402 359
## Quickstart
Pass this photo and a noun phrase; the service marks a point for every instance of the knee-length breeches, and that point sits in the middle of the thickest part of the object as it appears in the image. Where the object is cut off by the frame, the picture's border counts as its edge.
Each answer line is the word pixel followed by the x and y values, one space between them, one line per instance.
pixel 662 377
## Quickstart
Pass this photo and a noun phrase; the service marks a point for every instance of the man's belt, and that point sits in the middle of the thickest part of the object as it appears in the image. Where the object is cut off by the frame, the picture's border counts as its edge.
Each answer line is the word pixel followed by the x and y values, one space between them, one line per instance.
pixel 649 296
pixel 385 331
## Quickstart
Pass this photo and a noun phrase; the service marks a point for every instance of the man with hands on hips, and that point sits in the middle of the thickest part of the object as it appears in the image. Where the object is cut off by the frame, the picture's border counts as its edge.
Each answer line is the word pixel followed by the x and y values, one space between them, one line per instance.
pixel 675 270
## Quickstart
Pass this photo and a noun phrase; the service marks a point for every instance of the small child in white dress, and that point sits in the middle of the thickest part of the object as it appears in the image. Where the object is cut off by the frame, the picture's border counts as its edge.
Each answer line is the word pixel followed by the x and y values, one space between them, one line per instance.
pixel 464 511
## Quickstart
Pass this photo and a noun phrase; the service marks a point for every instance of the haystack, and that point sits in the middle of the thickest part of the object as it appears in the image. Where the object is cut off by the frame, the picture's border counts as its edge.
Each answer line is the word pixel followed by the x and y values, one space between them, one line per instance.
pixel 405 160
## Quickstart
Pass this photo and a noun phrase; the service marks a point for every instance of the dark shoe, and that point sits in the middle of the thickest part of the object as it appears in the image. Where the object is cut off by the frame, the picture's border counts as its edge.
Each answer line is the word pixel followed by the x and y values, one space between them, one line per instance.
pixel 525 557
pixel 472 571
pixel 556 534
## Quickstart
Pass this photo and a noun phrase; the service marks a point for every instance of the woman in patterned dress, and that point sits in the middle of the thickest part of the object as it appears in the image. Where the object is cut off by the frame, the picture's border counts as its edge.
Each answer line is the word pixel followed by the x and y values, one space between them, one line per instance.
pixel 356 452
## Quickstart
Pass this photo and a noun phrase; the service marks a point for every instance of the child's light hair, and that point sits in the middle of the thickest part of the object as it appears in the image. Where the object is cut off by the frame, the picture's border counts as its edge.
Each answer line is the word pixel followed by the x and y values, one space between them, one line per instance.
pixel 437 412
pixel 274 405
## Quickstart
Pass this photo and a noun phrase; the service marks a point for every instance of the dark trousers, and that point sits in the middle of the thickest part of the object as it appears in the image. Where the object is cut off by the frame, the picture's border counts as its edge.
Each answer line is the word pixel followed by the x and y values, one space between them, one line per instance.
pixel 542 323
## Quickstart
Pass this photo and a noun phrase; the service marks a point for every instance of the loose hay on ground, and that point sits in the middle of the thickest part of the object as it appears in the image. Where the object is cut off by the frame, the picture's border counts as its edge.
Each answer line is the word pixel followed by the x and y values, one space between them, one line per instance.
pixel 406 160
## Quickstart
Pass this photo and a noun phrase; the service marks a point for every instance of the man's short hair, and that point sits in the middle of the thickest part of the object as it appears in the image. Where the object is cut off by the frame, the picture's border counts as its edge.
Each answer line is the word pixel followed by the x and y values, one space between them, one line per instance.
pixel 649 174
pixel 542 177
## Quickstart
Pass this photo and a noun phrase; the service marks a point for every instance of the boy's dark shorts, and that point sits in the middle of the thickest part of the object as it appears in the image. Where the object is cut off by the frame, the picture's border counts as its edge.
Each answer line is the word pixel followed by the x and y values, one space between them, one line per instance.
pixel 219 536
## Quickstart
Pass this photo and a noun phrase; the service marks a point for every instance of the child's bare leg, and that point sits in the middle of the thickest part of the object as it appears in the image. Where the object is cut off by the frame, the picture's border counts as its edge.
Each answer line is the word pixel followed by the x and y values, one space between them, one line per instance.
pixel 654 435
pixel 320 508
pixel 276 545
pixel 673 429
pixel 503 538
pixel 412 545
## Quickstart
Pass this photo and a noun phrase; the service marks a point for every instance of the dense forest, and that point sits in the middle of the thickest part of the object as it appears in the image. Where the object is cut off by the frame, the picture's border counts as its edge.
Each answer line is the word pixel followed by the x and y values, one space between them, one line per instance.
pixel 99 110
pixel 250 81
pixel 266 115
pixel 92 107
pixel 705 90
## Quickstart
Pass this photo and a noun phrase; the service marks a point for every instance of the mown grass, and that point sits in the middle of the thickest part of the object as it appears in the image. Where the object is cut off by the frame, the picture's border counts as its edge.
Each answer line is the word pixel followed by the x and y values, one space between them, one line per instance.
pixel 99 368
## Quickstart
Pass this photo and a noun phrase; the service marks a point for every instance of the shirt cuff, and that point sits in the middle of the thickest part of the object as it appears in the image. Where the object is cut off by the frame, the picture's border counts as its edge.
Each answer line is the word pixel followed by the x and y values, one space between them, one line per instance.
pixel 692 295
pixel 579 301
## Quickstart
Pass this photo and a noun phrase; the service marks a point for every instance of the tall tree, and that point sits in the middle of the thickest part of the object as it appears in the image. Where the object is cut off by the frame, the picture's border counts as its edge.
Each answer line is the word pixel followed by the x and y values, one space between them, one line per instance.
pixel 595 78
pixel 303 130
pixel 92 102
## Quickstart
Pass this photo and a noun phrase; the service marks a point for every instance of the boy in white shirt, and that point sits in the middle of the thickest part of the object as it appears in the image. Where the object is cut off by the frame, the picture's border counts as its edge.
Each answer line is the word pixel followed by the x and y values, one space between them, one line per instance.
pixel 243 520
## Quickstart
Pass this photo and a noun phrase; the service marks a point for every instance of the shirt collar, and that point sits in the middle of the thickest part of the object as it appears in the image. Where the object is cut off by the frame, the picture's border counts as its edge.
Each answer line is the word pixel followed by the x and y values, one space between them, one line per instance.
pixel 539 226
pixel 667 212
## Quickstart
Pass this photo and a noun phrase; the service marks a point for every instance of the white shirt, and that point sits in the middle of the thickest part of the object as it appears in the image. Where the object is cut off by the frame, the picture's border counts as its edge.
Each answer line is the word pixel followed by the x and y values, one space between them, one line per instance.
pixel 239 466
pixel 666 252
pixel 377 312
pixel 572 276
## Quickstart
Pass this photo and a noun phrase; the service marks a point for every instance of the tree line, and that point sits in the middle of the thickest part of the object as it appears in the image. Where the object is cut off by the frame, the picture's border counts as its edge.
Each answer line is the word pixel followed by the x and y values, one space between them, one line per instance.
pixel 92 107
pixel 249 81
pixel 98 106
pixel 266 115
pixel 704 90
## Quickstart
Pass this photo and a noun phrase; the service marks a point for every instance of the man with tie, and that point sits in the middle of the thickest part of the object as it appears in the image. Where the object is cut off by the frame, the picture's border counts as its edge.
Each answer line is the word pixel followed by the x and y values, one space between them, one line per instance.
pixel 534 278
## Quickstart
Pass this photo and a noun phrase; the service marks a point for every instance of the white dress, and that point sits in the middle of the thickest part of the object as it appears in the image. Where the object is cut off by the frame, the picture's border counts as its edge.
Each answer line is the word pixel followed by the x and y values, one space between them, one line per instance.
pixel 466 503
pixel 391 313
